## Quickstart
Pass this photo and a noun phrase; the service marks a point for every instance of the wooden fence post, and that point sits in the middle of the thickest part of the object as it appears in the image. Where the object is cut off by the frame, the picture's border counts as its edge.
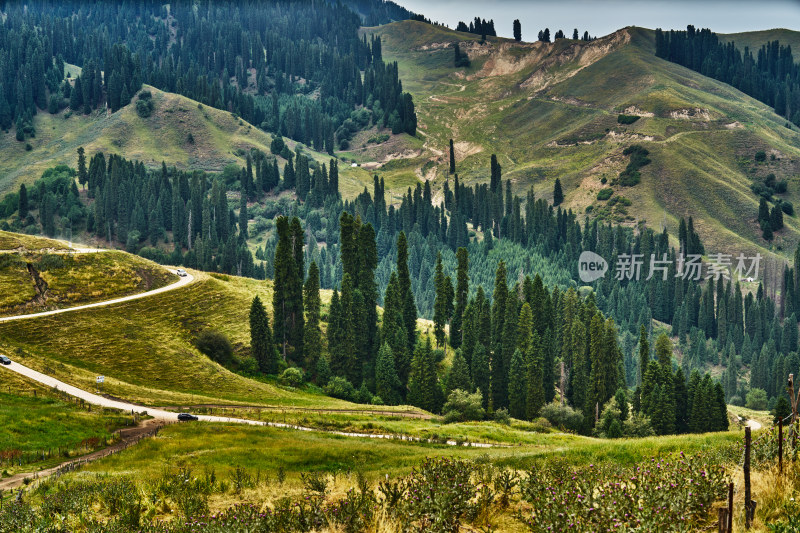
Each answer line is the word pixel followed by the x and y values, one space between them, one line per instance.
pixel 730 508
pixel 780 446
pixel 749 505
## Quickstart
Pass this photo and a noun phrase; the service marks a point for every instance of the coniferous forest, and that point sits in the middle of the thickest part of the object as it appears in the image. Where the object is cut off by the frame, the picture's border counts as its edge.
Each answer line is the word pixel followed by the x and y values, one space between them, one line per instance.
pixel 768 74
pixel 259 286
pixel 259 60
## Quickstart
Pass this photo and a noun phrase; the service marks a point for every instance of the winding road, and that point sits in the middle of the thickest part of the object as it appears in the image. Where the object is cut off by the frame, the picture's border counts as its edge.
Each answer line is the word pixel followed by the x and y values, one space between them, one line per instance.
pixel 185 280
pixel 161 414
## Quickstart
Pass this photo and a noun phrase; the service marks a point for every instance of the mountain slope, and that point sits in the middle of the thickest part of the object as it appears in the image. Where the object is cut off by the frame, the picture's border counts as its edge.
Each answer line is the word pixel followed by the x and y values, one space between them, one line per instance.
pixel 755 39
pixel 550 110
pixel 218 138
pixel 39 274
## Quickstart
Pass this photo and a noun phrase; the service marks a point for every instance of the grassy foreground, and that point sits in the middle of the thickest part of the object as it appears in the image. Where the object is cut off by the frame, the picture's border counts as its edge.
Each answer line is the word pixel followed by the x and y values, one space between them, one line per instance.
pixel 193 477
pixel 40 428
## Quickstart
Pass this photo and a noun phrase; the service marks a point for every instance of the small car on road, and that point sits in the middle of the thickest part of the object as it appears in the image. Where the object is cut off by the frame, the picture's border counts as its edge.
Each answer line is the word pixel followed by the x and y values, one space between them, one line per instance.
pixel 181 272
pixel 5 360
pixel 186 417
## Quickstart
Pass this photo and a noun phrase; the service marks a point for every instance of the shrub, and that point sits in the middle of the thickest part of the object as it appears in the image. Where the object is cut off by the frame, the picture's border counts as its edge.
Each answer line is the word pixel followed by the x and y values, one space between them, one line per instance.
pixel 215 345
pixel 277 145
pixel 605 194
pixel 292 376
pixel 631 176
pixel 637 425
pixel 562 416
pixel 627 119
pixel 144 107
pixel 787 208
pixel 462 406
pixel 339 387
pixel 761 156
pixel 502 416
pixel 248 366
pixel 756 399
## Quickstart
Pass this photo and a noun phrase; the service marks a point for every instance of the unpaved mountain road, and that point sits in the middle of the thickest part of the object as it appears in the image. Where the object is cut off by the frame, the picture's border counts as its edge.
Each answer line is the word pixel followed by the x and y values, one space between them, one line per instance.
pixel 160 414
pixel 185 280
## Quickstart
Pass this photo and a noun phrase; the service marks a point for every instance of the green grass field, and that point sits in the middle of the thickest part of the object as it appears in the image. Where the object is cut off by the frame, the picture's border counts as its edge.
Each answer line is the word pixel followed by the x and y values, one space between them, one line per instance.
pixel 36 419
pixel 267 449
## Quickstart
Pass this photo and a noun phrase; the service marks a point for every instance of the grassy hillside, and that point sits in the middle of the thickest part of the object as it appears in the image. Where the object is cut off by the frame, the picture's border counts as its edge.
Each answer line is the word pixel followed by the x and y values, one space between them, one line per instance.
pixel 219 139
pixel 755 39
pixel 39 274
pixel 551 110
pixel 145 347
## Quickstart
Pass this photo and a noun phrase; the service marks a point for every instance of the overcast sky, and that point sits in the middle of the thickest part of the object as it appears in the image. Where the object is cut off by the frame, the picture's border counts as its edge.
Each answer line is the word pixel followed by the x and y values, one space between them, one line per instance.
pixel 602 17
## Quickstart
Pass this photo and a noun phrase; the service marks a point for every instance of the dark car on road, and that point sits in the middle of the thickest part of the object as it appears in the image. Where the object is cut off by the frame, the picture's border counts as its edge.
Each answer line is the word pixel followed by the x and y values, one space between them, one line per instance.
pixel 5 360
pixel 186 417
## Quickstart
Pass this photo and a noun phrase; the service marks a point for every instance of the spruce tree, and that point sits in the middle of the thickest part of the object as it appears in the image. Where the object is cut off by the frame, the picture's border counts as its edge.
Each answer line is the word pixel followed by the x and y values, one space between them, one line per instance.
pixel 312 341
pixel 349 331
pixel 422 380
pixel 481 372
pixel 558 194
pixel 517 27
pixel 440 306
pixel 461 293
pixel 387 384
pixel 23 202
pixel 644 353
pixel 452 150
pixel 393 328
pixel 406 295
pixel 597 376
pixel 336 337
pixel 285 280
pixel 83 177
pixel 458 376
pixel 517 385
pixel 261 345
pixel 535 379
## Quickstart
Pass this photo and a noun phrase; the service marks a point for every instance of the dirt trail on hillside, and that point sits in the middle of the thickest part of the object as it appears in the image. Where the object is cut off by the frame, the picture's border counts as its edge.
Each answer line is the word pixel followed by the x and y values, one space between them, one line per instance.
pixel 128 437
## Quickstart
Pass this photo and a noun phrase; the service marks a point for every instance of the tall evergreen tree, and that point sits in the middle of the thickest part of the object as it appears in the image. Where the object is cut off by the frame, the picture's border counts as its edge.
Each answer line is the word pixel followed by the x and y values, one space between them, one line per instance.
pixel 423 387
pixel 517 385
pixel 461 295
pixel 406 294
pixel 441 304
pixel 23 202
pixel 261 345
pixel 558 194
pixel 387 384
pixel 644 352
pixel 458 377
pixel 312 342
pixel 481 372
pixel 535 378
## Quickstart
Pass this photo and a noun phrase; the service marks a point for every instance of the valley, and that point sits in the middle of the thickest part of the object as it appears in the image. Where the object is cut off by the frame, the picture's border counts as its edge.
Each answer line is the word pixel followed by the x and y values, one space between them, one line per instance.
pixel 301 266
